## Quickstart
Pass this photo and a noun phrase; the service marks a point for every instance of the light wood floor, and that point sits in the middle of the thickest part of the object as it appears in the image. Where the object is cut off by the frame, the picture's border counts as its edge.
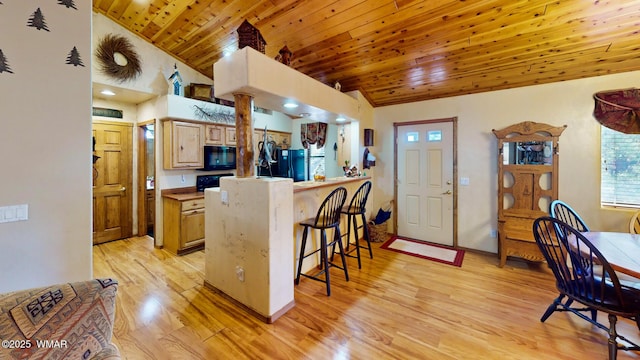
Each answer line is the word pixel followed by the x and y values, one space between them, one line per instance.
pixel 395 307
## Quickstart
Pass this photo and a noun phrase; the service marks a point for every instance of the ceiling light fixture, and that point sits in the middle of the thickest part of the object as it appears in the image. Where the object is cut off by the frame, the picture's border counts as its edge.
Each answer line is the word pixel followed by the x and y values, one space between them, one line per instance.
pixel 107 92
pixel 290 105
pixel 340 119
pixel 305 114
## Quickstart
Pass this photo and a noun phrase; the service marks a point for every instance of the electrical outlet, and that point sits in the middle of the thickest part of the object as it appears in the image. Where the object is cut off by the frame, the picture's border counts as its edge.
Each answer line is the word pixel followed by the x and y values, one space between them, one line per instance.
pixel 240 273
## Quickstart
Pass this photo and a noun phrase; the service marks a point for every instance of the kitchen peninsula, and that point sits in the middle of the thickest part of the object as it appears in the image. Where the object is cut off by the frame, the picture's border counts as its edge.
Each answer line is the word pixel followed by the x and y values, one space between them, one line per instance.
pixel 307 198
pixel 252 237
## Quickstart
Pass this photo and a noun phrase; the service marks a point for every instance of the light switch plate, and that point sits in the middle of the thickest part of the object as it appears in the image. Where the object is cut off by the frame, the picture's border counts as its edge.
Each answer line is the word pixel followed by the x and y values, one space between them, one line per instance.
pixel 464 181
pixel 224 197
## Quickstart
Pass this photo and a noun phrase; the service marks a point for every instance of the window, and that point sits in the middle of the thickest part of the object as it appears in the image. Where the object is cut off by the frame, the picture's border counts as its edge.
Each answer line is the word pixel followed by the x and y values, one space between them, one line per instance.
pixel 620 168
pixel 316 160
pixel 434 135
pixel 413 136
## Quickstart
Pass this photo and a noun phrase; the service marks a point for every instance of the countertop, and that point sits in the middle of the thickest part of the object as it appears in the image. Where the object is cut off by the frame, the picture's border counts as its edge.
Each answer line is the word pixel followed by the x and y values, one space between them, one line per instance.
pixel 186 196
pixel 183 194
pixel 336 181
pixel 190 193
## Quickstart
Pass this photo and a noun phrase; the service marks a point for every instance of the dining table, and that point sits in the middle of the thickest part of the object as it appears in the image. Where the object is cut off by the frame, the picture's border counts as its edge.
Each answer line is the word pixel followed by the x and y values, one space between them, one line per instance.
pixel 622 250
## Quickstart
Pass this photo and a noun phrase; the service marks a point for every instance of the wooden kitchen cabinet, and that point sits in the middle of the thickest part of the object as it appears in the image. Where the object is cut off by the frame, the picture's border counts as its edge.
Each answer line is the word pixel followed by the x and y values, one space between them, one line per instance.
pixel 151 209
pixel 214 134
pixel 283 140
pixel 183 224
pixel 230 136
pixel 183 143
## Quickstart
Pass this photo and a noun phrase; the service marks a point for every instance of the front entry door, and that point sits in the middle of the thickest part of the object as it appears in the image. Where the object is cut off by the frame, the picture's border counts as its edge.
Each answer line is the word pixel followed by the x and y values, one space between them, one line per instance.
pixel 112 182
pixel 425 181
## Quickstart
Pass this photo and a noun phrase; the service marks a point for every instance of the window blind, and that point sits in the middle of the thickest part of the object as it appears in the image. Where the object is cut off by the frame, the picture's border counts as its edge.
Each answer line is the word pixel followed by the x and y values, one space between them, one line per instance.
pixel 620 168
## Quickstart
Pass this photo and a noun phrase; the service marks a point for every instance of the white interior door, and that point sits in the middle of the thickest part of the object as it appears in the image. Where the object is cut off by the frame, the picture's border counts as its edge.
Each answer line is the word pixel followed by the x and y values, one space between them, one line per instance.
pixel 425 182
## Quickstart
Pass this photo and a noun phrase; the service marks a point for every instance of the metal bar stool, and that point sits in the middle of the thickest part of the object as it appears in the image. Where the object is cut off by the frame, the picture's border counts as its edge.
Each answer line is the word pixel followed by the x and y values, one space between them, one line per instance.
pixel 357 207
pixel 328 216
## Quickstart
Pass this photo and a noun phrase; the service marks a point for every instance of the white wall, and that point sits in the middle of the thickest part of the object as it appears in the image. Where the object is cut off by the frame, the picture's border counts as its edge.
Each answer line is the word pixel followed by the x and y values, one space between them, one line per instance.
pixel 569 102
pixel 156 64
pixel 46 144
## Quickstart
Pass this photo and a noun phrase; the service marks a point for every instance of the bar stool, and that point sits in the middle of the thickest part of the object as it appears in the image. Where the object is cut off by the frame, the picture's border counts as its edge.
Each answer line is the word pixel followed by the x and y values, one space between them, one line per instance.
pixel 357 207
pixel 328 216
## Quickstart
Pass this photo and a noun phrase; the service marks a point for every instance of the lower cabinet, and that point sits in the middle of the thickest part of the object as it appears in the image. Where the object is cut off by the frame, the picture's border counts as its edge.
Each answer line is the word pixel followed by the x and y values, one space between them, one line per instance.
pixel 183 225
pixel 151 210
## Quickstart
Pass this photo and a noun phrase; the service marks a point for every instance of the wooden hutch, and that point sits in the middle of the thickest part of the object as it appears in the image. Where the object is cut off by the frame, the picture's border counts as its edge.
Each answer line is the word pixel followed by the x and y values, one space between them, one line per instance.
pixel 527 183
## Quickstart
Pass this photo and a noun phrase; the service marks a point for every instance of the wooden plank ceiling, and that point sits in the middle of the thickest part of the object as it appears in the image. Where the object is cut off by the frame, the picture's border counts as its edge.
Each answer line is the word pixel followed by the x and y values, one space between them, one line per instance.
pixel 400 51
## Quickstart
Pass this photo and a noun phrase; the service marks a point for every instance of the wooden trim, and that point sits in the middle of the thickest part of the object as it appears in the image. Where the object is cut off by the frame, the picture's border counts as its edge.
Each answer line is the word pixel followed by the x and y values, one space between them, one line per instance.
pixel 455 181
pixel 267 319
pixel 142 178
pixel 105 122
pixel 142 186
pixel 395 179
pixel 147 122
pixel 182 190
pixel 422 122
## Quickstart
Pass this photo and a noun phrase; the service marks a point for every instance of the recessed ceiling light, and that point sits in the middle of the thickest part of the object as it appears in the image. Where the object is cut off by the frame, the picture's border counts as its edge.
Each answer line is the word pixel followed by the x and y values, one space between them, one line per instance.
pixel 305 114
pixel 340 118
pixel 107 92
pixel 290 105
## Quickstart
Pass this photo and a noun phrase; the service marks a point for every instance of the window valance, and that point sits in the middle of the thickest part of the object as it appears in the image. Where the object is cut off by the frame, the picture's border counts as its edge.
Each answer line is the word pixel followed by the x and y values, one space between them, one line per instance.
pixel 313 133
pixel 618 109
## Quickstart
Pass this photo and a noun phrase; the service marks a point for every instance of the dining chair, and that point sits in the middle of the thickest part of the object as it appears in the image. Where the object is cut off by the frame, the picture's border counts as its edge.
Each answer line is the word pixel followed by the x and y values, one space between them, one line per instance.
pixel 578 282
pixel 565 213
pixel 634 224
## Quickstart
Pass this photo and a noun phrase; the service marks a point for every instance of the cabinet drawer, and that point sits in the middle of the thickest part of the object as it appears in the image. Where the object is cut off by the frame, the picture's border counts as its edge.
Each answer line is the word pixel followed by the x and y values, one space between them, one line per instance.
pixel 193 204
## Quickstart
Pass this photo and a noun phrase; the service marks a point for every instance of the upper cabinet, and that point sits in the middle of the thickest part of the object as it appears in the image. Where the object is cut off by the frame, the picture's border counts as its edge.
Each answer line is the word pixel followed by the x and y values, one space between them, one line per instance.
pixel 281 139
pixel 183 142
pixel 230 136
pixel 214 134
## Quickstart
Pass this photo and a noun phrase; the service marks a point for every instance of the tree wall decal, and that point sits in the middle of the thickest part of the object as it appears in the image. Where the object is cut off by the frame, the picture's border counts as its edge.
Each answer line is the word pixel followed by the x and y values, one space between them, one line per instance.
pixel 67 3
pixel 74 58
pixel 4 65
pixel 37 21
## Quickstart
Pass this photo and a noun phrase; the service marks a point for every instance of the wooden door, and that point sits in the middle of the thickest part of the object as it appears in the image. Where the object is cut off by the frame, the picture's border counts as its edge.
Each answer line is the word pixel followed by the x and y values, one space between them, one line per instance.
pixel 425 182
pixel 112 182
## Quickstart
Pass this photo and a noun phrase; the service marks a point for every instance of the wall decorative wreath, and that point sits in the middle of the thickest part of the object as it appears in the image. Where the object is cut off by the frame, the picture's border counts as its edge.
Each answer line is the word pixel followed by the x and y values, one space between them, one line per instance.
pixel 117 57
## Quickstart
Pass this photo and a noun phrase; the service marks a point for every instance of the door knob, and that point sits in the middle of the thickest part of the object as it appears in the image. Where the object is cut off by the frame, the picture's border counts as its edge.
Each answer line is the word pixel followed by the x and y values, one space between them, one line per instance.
pixel 448 192
pixel 123 188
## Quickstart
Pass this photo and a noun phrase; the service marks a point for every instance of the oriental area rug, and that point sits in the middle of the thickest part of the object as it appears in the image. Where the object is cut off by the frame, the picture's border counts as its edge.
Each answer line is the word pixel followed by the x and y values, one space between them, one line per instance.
pixel 425 250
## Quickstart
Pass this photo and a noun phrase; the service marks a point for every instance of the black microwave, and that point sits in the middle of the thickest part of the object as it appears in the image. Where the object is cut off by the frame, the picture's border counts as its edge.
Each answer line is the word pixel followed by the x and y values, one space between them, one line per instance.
pixel 219 157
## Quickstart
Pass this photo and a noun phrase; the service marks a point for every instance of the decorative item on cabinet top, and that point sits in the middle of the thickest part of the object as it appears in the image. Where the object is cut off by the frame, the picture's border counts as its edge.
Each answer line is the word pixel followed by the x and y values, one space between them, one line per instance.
pixel 248 35
pixel 176 82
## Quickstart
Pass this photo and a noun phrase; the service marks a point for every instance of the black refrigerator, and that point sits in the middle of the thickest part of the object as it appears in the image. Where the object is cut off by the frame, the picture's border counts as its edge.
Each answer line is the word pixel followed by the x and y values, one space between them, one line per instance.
pixel 298 159
pixel 288 163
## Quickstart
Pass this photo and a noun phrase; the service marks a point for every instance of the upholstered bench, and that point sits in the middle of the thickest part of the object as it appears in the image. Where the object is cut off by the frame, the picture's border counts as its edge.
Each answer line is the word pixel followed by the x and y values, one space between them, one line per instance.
pixel 65 321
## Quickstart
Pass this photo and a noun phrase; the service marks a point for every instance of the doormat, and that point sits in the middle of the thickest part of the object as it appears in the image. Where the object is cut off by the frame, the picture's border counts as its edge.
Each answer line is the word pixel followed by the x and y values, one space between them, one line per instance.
pixel 425 250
